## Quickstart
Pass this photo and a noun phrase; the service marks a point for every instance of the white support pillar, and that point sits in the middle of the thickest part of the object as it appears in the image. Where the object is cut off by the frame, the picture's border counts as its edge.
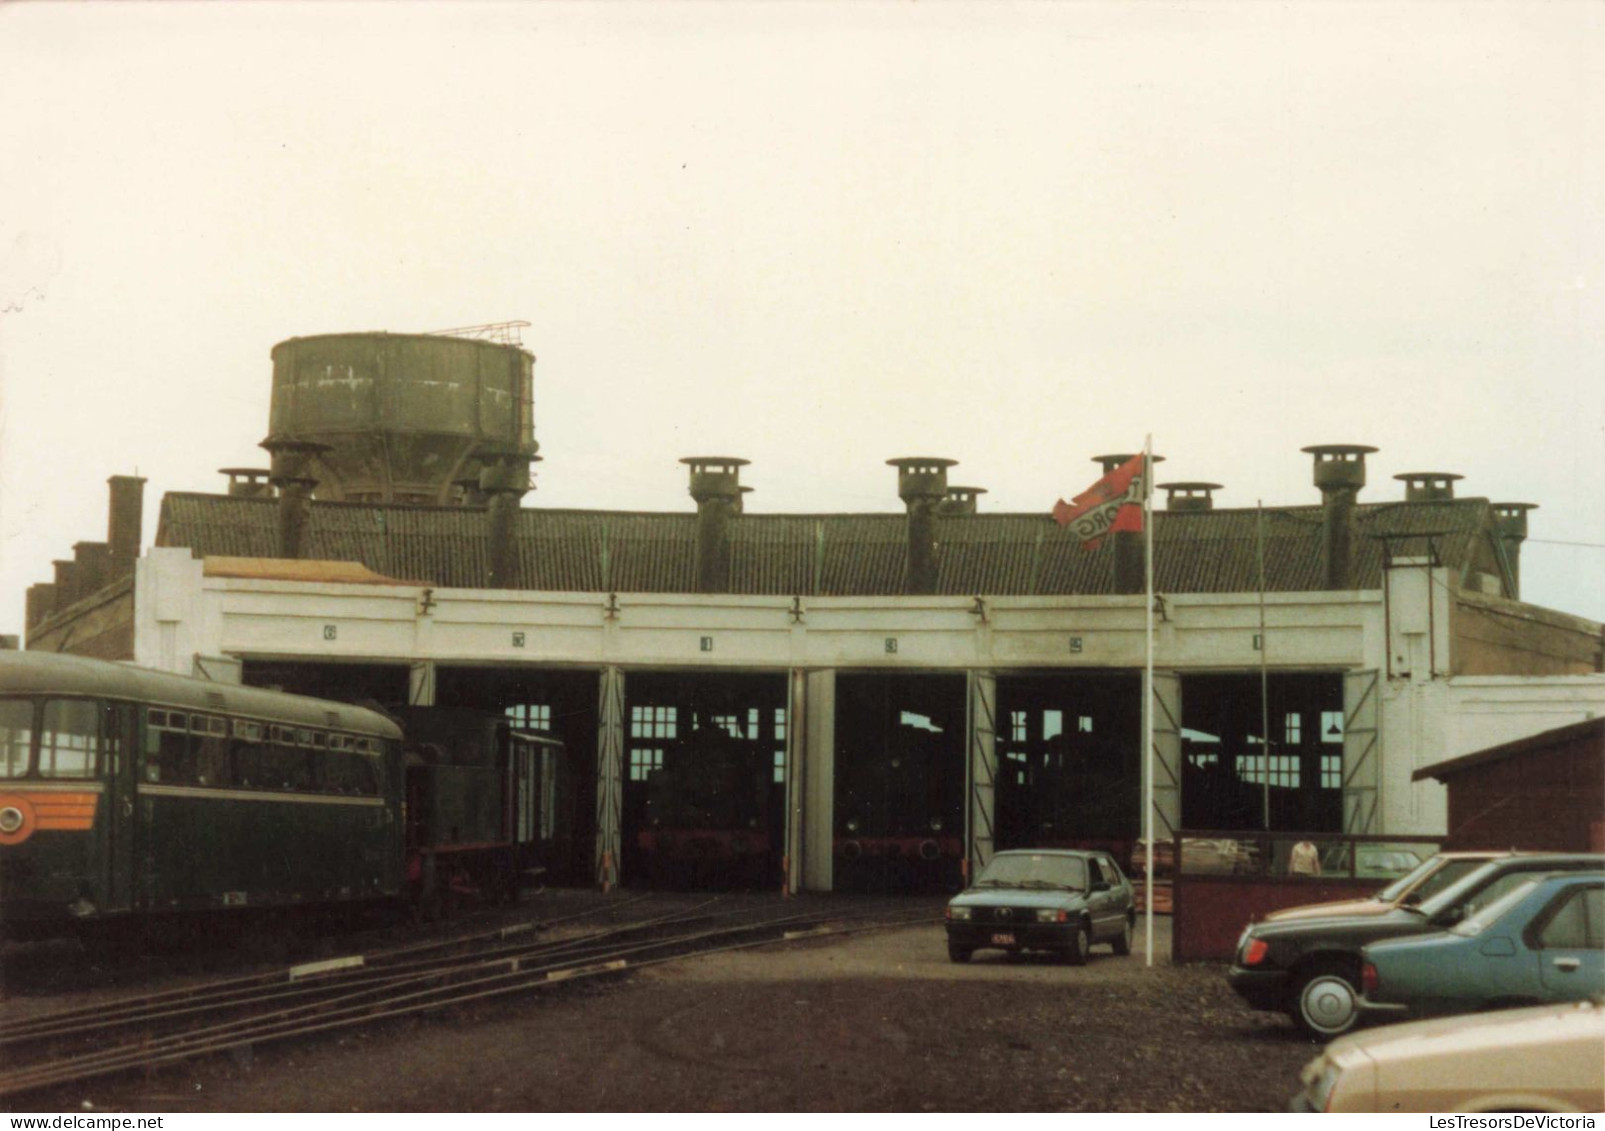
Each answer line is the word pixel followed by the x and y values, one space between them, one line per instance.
pixel 796 771
pixel 421 684
pixel 981 771
pixel 1166 755
pixel 819 781
pixel 609 777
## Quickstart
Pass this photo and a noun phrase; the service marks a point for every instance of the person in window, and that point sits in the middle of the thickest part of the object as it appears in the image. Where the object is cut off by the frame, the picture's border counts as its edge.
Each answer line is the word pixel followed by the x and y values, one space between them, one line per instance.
pixel 1304 860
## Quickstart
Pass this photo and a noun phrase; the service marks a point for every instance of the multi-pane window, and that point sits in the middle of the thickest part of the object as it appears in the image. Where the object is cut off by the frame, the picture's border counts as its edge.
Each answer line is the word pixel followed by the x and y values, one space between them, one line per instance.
pixel 780 724
pixel 69 741
pixel 654 722
pixel 1084 724
pixel 16 735
pixel 780 766
pixel 644 760
pixel 1052 724
pixel 1017 726
pixel 735 728
pixel 1331 771
pixel 1293 728
pixel 531 716
pixel 1332 726
pixel 1284 769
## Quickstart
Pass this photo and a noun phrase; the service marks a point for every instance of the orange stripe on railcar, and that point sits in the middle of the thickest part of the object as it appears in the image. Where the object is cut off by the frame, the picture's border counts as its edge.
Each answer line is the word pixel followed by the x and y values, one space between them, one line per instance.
pixel 52 810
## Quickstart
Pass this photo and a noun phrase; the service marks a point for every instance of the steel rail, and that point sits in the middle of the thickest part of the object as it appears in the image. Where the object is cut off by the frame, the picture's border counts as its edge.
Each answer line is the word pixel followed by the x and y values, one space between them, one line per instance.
pixel 363 1005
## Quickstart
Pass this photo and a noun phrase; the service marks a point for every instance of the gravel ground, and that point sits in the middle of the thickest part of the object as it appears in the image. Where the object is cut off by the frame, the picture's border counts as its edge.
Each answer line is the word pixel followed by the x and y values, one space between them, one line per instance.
pixel 879 1021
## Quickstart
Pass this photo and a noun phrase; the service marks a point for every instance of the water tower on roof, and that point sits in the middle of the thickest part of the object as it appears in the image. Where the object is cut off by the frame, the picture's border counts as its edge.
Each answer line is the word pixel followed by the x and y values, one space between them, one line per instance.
pixel 404 418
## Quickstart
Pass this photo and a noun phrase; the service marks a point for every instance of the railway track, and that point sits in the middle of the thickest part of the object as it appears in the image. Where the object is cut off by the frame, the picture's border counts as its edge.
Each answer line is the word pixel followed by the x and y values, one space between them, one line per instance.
pixel 70 1046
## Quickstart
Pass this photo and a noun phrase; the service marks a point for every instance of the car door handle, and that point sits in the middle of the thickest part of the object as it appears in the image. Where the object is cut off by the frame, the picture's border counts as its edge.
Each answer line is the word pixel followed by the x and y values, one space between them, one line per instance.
pixel 1567 964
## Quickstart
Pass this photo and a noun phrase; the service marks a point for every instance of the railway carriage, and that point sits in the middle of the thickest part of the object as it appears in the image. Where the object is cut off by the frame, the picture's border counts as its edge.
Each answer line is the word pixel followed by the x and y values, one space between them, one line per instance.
pixel 127 792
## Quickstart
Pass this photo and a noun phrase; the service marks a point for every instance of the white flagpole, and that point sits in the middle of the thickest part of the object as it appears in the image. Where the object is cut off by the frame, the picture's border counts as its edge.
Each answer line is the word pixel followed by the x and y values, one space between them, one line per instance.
pixel 1148 690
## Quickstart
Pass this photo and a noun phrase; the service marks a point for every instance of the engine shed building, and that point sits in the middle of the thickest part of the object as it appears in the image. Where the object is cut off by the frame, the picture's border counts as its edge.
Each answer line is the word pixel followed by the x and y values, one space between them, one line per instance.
pixel 839 700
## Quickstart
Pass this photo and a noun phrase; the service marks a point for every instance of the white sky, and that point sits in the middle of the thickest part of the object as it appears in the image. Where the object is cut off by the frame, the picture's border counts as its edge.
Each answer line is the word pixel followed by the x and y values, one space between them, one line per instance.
pixel 819 236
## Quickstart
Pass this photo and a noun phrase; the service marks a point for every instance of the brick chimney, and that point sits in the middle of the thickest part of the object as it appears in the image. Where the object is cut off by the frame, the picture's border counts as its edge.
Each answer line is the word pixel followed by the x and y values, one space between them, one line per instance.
pixel 1428 486
pixel 91 566
pixel 1339 473
pixel 1511 525
pixel 716 487
pixel 292 475
pixel 125 518
pixel 1129 575
pixel 922 485
pixel 41 603
pixel 66 583
pixel 1186 497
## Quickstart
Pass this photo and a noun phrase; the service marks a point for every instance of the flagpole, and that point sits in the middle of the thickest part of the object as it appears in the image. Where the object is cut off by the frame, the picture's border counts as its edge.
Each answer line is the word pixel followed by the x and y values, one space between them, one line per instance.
pixel 1264 679
pixel 1148 689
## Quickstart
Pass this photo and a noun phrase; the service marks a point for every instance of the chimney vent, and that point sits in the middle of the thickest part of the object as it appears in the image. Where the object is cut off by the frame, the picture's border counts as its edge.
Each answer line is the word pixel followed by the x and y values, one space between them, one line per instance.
pixel 1428 486
pixel 1128 548
pixel 716 487
pixel 922 485
pixel 504 479
pixel 1339 473
pixel 41 603
pixel 1511 524
pixel 293 461
pixel 1183 497
pixel 961 500
pixel 247 482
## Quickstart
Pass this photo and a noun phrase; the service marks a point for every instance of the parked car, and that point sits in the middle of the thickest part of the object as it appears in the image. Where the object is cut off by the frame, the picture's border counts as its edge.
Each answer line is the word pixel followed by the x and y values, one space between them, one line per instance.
pixel 1310 968
pixel 1543 941
pixel 1426 880
pixel 1545 1059
pixel 1059 900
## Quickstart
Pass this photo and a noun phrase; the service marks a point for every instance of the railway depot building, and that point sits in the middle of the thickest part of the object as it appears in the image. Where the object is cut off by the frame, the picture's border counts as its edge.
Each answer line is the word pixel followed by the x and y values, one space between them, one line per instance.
pixel 835 701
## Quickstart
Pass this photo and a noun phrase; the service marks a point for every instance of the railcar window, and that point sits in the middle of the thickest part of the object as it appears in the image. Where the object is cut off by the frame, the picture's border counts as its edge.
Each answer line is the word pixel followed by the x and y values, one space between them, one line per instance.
pixel 350 773
pixel 16 736
pixel 69 741
pixel 286 768
pixel 167 747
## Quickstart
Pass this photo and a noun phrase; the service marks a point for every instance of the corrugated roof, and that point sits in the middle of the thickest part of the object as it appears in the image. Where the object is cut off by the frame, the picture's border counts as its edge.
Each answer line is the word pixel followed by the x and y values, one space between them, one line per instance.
pixel 1211 551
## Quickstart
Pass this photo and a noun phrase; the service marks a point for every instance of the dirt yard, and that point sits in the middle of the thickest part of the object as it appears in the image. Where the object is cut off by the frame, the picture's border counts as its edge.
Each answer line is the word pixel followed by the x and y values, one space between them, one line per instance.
pixel 879 1021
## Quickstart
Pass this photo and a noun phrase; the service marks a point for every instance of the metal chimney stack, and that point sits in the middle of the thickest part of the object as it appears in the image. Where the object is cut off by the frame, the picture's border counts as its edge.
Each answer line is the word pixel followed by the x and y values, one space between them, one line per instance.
pixel 716 487
pixel 922 485
pixel 960 501
pixel 1339 473
pixel 1189 497
pixel 1129 575
pixel 1428 486
pixel 504 478
pixel 292 475
pixel 1511 524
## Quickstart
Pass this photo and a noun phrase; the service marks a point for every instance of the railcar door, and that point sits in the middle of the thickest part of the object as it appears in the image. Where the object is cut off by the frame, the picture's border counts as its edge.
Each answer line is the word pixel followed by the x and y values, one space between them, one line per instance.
pixel 120 722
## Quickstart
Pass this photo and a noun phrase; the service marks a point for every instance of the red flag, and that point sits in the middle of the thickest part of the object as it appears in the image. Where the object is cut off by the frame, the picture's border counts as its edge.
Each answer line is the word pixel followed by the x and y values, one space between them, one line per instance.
pixel 1112 503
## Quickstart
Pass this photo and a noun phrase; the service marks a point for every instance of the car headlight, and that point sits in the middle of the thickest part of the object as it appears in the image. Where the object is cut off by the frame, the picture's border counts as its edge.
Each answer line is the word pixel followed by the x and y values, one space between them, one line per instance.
pixel 936 824
pixel 1320 1080
pixel 852 824
pixel 960 913
pixel 1052 915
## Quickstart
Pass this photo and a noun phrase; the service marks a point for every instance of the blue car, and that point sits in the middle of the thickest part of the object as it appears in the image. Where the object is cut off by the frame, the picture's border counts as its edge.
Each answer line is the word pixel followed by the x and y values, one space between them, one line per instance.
pixel 1542 941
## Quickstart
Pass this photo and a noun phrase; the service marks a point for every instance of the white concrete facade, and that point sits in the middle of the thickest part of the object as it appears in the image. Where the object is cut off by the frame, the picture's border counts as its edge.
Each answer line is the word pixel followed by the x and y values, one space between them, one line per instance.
pixel 1419 715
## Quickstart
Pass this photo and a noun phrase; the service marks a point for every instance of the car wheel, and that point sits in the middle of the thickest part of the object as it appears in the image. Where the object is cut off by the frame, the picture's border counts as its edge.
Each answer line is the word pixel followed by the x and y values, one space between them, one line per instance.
pixel 1076 954
pixel 1326 1004
pixel 1122 941
pixel 956 953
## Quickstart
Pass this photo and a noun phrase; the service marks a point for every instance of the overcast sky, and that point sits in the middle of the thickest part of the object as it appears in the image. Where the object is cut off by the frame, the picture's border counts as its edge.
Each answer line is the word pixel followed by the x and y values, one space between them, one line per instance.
pixel 819 236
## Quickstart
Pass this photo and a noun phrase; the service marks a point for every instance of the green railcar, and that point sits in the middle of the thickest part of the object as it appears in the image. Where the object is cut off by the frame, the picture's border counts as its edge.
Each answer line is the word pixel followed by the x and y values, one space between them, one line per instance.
pixel 126 792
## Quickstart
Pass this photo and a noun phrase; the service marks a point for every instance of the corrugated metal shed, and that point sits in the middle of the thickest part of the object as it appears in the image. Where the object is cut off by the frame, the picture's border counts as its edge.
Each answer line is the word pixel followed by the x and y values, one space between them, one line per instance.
pixel 1210 551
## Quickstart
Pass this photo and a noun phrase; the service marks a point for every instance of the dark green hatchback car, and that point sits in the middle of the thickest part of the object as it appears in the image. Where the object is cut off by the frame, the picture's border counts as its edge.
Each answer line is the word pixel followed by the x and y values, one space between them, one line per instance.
pixel 1060 900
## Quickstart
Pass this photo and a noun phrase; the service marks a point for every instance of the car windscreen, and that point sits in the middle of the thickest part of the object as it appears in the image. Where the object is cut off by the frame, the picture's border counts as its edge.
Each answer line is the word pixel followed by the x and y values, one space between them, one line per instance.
pixel 1409 880
pixel 1029 869
pixel 1486 884
pixel 1477 922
